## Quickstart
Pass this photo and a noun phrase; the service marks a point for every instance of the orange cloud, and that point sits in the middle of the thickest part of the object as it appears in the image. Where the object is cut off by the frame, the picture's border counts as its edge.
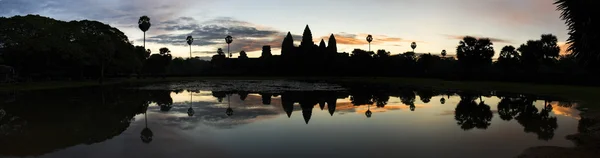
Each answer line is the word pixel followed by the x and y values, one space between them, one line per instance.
pixel 360 39
pixel 565 111
pixel 495 40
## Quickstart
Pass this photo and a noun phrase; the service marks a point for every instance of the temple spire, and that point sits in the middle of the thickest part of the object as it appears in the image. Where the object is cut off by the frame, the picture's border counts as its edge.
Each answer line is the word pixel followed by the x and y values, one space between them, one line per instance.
pixel 307 39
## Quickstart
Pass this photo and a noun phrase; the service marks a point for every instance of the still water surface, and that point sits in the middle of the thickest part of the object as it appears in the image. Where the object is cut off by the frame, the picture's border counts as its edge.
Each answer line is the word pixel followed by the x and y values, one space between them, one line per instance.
pixel 278 119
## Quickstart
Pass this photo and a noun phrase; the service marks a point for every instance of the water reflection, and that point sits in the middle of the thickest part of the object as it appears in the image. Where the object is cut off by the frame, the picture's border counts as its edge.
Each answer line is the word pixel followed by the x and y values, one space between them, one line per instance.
pixel 42 122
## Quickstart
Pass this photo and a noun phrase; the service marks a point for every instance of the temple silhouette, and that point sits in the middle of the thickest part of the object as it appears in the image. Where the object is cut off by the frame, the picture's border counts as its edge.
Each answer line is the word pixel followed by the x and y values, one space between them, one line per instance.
pixel 307 58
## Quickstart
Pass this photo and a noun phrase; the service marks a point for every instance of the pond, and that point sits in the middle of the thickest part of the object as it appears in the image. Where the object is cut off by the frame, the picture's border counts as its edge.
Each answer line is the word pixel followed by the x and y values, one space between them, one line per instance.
pixel 279 119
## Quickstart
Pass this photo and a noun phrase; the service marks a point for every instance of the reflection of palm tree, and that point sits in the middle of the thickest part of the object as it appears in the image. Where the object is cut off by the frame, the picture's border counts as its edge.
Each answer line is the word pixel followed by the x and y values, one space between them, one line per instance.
pixel 146 134
pixel 540 123
pixel 191 110
pixel 369 113
pixel 229 111
pixel 443 101
pixel 508 108
pixel 472 115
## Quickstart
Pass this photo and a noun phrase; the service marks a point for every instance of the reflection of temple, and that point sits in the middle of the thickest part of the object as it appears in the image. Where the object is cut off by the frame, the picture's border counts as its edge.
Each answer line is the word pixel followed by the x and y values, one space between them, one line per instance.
pixel 307 101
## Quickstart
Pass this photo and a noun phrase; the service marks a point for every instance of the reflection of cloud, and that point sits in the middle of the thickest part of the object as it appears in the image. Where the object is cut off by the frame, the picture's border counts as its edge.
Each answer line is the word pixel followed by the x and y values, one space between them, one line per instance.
pixel 345 106
pixel 565 111
pixel 494 40
pixel 211 113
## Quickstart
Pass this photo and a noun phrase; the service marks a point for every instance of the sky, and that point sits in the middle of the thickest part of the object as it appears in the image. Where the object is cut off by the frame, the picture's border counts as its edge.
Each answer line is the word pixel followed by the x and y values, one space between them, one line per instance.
pixel 435 25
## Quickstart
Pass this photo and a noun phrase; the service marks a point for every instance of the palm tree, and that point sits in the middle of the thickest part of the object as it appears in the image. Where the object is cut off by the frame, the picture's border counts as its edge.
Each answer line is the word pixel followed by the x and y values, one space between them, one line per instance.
pixel 369 39
pixel 190 40
pixel 413 45
pixel 228 39
pixel 144 24
pixel 582 25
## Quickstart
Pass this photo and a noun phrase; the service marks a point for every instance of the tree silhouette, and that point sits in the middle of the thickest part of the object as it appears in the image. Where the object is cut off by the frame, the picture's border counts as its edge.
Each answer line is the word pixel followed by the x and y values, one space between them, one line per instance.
pixel 535 52
pixel 382 54
pixel 582 24
pixel 104 53
pixel 220 52
pixel 243 55
pixel 508 52
pixel 509 57
pixel 413 45
pixel 144 24
pixel 190 40
pixel 474 53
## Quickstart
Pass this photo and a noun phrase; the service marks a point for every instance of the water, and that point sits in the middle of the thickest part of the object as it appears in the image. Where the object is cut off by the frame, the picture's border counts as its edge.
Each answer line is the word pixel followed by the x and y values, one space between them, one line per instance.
pixel 278 119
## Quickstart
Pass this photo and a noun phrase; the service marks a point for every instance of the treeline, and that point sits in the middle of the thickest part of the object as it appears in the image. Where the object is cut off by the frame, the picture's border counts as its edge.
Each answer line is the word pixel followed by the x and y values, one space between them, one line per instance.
pixel 536 61
pixel 41 48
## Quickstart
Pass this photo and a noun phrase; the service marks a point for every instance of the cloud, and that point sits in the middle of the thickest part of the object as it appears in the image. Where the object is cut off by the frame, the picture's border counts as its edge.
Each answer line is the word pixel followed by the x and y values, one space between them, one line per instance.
pixel 494 40
pixel 356 39
pixel 246 36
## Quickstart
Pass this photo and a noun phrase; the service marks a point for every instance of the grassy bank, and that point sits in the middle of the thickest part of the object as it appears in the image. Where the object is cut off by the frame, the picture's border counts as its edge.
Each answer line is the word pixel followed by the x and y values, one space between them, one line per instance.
pixel 586 95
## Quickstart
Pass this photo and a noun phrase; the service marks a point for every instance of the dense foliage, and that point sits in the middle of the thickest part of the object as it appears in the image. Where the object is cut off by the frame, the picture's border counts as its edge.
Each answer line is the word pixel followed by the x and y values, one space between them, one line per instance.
pixel 43 48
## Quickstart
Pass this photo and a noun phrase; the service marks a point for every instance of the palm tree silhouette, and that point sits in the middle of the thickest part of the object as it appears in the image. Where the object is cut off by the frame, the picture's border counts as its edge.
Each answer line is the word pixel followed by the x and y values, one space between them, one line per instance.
pixel 582 24
pixel 413 45
pixel 190 40
pixel 144 24
pixel 146 134
pixel 443 101
pixel 228 39
pixel 369 39
pixel 444 53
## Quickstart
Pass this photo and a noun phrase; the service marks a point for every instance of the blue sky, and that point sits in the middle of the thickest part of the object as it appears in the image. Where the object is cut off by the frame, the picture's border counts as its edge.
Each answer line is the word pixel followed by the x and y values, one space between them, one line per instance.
pixel 433 24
